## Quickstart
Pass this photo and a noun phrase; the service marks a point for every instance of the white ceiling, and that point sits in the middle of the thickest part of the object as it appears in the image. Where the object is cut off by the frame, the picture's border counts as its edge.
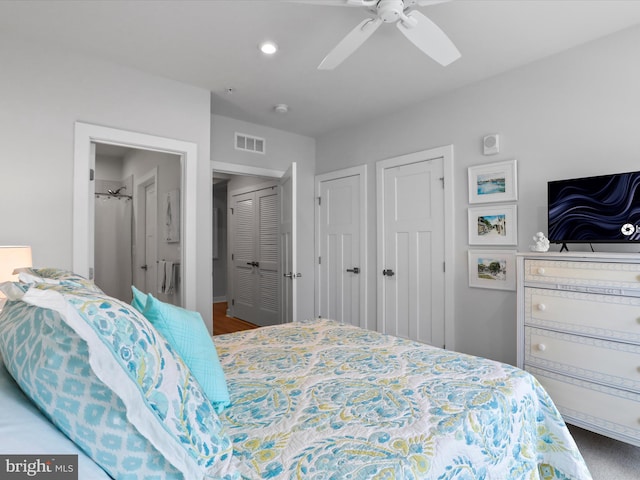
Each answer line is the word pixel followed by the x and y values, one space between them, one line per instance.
pixel 213 44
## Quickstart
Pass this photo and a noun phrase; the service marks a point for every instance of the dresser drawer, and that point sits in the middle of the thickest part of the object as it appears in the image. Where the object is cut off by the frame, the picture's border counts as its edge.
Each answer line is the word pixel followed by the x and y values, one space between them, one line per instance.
pixel 603 277
pixel 600 361
pixel 604 316
pixel 612 412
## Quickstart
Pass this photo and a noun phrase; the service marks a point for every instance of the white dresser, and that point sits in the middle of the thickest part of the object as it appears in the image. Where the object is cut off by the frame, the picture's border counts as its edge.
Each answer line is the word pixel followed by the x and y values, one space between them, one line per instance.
pixel 579 335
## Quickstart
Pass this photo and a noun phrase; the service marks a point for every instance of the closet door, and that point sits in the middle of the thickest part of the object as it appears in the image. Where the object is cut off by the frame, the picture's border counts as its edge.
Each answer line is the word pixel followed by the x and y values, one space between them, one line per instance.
pixel 411 248
pixel 243 256
pixel 266 272
pixel 340 264
pixel 255 257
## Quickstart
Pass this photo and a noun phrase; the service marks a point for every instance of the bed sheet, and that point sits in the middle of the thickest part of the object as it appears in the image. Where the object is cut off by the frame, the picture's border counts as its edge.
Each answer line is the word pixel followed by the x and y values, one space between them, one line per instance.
pixel 324 400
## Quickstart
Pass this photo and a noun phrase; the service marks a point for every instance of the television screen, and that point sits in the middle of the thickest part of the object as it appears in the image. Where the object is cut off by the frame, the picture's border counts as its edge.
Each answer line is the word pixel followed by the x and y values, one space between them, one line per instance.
pixel 602 209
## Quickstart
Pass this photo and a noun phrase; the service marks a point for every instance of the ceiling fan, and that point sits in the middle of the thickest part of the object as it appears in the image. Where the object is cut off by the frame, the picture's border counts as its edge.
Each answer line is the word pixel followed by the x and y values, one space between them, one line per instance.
pixel 420 31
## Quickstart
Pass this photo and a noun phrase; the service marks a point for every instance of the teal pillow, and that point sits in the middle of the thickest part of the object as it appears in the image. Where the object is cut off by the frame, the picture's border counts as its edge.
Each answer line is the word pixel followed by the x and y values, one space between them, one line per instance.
pixel 139 299
pixel 187 334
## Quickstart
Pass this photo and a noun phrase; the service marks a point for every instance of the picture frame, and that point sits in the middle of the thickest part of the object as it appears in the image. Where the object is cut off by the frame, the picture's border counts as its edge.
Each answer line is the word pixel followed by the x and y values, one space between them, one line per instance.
pixel 495 269
pixel 493 182
pixel 493 225
pixel 172 216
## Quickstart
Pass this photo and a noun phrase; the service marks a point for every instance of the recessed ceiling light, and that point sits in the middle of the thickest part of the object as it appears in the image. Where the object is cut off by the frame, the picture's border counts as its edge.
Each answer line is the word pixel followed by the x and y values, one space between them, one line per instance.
pixel 268 47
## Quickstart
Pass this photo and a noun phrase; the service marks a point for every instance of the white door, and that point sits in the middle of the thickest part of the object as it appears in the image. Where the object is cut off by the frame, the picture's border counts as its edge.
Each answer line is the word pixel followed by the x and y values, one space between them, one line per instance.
pixel 91 202
pixel 243 257
pixel 341 263
pixel 255 256
pixel 150 241
pixel 288 262
pixel 411 249
pixel 267 267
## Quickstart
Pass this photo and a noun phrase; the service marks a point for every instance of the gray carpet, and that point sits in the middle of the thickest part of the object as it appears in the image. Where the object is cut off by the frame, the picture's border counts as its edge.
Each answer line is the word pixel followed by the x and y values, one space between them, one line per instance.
pixel 606 458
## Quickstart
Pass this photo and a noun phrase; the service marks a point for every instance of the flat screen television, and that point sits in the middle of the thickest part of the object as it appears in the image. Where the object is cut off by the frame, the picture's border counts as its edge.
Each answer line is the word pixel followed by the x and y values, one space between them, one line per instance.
pixel 602 209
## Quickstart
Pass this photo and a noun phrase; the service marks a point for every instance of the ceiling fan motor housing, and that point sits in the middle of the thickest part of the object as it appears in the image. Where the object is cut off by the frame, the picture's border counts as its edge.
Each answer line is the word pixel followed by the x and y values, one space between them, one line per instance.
pixel 389 10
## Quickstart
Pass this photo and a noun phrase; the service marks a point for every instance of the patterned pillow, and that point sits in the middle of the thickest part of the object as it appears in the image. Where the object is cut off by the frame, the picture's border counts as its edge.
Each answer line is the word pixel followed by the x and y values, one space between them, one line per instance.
pixel 51 364
pixel 106 378
pixel 187 334
pixel 55 276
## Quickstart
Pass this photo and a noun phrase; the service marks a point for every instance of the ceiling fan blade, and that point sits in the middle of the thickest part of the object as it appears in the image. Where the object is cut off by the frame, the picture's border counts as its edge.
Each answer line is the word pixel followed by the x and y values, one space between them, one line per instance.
pixel 429 38
pixel 337 3
pixel 350 43
pixel 426 3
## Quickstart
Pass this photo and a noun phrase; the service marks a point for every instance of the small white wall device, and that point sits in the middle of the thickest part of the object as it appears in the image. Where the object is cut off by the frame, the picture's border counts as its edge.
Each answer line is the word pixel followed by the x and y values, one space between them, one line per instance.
pixel 491 144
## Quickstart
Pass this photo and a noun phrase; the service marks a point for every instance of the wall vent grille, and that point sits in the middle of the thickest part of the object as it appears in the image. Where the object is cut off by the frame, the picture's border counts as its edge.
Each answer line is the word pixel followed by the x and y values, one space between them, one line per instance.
pixel 249 143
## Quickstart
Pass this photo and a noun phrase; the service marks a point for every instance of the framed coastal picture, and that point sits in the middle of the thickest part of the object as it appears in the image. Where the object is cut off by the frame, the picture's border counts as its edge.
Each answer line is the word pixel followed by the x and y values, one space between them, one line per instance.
pixel 493 182
pixel 493 225
pixel 492 269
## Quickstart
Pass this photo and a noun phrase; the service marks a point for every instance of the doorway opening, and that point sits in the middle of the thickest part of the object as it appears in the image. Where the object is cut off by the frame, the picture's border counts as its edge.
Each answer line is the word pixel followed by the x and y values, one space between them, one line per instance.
pixel 86 138
pixel 246 258
pixel 225 282
pixel 132 243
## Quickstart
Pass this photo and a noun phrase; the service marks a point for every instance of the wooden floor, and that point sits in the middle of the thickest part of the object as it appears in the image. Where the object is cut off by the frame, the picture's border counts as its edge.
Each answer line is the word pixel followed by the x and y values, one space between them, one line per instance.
pixel 223 324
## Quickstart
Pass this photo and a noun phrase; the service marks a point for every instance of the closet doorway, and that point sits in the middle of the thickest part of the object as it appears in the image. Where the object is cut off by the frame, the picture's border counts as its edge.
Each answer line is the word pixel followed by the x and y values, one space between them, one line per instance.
pixel 255 265
pixel 341 246
pixel 260 273
pixel 415 236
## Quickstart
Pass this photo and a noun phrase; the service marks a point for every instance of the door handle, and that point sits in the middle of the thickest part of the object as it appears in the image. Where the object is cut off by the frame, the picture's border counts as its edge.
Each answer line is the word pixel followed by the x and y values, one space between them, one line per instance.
pixel 353 270
pixel 144 267
pixel 388 272
pixel 254 264
pixel 288 275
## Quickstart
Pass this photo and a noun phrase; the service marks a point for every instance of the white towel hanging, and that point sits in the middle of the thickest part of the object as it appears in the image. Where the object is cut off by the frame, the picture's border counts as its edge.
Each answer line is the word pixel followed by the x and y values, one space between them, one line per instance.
pixel 162 276
pixel 170 278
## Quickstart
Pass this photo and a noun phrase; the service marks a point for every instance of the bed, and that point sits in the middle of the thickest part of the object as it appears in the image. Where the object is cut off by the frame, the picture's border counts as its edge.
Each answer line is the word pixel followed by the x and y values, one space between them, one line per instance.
pixel 307 400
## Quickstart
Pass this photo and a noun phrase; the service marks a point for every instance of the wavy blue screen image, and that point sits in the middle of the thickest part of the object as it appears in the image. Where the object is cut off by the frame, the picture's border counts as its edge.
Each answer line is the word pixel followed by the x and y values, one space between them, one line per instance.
pixel 603 209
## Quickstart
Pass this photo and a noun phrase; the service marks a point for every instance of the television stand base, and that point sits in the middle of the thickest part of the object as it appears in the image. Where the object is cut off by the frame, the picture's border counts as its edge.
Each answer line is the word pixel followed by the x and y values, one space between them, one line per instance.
pixel 564 247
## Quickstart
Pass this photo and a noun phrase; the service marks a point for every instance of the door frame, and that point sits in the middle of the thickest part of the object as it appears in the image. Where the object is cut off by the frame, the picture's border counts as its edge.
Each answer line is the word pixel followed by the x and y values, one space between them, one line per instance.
pixel 361 172
pixel 140 207
pixel 446 153
pixel 83 203
pixel 235 169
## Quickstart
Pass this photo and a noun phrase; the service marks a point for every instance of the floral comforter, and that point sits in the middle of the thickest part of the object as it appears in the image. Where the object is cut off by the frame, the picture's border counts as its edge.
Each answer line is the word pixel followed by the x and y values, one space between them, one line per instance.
pixel 322 400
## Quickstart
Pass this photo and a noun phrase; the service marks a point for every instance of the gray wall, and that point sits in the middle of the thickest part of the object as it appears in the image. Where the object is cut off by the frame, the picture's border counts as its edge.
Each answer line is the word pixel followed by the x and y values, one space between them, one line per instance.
pixel 138 163
pixel 44 92
pixel 574 114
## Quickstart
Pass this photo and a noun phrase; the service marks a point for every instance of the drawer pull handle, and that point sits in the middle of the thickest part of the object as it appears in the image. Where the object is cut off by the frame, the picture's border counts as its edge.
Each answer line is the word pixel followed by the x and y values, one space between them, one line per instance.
pixel 540 271
pixel 541 347
pixel 542 307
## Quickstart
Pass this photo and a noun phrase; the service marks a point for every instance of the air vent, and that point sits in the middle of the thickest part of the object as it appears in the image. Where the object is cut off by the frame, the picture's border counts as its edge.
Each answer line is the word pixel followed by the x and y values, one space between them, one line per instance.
pixel 250 143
